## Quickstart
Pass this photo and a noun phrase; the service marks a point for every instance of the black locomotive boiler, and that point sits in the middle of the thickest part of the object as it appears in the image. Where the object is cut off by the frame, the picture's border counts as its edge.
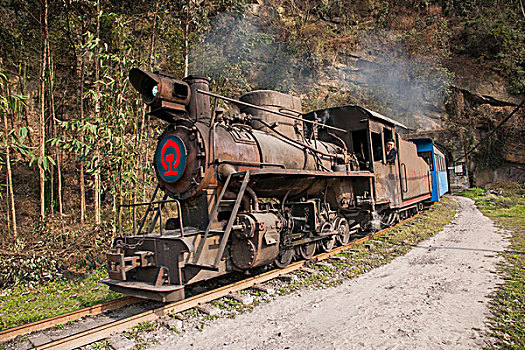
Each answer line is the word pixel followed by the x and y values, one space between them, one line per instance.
pixel 260 187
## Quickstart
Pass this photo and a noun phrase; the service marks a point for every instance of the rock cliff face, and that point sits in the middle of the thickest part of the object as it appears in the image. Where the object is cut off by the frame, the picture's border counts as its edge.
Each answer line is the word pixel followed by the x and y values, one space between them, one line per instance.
pixel 385 84
pixel 472 117
pixel 477 100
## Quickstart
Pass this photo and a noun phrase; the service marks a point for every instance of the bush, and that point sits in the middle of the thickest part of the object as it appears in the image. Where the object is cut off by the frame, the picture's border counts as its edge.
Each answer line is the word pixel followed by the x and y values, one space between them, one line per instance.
pixel 17 269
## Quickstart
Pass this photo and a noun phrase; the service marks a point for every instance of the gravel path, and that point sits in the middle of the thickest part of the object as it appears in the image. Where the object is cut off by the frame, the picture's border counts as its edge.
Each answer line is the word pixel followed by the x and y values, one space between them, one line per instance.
pixel 434 297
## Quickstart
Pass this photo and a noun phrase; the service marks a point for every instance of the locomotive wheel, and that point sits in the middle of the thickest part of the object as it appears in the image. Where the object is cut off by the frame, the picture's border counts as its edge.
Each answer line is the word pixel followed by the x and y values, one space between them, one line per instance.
pixel 284 258
pixel 341 225
pixel 327 244
pixel 306 251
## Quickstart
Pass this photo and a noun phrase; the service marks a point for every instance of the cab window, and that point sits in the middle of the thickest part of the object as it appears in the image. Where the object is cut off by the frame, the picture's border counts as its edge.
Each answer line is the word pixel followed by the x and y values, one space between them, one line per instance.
pixel 377 147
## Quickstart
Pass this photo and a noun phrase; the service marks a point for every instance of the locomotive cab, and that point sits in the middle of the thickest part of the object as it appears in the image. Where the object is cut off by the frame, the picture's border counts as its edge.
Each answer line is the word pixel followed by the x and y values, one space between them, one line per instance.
pixel 399 185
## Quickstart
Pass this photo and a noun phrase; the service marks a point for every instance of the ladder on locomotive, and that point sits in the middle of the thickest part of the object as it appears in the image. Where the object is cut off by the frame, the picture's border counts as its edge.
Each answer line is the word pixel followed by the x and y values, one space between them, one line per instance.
pixel 213 220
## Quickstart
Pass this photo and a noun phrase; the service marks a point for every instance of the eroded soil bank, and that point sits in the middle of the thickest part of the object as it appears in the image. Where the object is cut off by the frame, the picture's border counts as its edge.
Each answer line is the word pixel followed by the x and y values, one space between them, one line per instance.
pixel 434 297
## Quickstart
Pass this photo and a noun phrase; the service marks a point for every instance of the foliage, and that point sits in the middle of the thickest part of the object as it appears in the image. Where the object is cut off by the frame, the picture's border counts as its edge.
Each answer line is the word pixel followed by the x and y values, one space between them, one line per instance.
pixel 506 206
pixel 36 269
pixel 251 58
pixel 47 253
pixel 16 140
pixel 492 31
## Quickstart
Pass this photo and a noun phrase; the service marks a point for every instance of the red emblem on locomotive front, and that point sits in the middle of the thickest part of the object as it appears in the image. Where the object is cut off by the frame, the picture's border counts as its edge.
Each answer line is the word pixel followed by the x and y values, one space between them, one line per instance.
pixel 170 158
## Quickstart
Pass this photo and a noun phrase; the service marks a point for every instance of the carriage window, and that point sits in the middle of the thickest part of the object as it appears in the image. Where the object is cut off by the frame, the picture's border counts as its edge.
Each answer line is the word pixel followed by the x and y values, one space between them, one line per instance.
pixel 441 166
pixel 427 156
pixel 377 147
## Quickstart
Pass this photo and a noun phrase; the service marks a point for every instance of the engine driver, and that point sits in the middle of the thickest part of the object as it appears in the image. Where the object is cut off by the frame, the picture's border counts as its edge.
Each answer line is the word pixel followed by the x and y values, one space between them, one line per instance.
pixel 391 152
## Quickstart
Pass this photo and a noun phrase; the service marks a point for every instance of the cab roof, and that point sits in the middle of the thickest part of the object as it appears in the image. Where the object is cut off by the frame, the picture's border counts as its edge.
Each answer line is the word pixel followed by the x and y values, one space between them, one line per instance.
pixel 367 112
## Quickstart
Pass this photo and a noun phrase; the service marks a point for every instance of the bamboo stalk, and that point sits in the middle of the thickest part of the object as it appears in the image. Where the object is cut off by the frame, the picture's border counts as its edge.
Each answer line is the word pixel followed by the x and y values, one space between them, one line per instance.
pixel 42 154
pixel 51 78
pixel 11 196
pixel 81 97
pixel 97 116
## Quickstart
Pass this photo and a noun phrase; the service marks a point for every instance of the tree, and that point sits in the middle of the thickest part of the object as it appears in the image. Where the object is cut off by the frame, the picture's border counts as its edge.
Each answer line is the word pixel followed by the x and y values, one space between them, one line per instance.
pixel 4 109
pixel 11 141
pixel 97 115
pixel 42 161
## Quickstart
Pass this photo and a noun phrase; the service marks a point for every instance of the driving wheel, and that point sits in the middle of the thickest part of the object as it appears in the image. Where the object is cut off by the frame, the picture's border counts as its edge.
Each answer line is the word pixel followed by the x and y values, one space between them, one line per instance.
pixel 307 251
pixel 284 258
pixel 327 244
pixel 343 229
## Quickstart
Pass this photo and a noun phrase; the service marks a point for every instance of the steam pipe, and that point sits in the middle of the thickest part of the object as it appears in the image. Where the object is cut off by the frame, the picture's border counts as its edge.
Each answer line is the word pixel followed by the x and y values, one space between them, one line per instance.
pixel 300 143
pixel 268 110
pixel 338 139
pixel 245 199
pixel 251 193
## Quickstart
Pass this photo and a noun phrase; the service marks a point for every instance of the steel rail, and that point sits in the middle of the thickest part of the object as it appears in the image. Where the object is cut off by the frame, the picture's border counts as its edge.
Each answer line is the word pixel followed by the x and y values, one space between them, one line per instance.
pixel 101 332
pixel 11 333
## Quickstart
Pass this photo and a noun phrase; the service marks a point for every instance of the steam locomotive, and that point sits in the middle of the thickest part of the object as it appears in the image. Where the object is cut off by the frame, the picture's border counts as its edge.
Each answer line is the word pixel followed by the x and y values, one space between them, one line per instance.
pixel 263 186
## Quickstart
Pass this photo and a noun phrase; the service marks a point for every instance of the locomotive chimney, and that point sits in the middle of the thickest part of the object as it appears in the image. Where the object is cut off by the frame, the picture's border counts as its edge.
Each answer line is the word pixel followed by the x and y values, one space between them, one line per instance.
pixel 199 106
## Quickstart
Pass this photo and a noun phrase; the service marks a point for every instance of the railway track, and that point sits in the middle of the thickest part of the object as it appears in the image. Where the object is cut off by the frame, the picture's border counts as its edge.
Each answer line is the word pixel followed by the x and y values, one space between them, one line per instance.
pixel 101 332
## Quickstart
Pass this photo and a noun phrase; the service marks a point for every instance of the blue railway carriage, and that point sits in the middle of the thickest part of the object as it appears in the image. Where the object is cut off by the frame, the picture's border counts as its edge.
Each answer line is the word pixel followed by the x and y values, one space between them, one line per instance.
pixel 428 150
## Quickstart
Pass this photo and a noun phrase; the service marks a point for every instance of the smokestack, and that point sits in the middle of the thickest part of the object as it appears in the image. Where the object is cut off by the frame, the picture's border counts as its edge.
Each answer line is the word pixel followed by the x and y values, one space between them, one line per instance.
pixel 199 106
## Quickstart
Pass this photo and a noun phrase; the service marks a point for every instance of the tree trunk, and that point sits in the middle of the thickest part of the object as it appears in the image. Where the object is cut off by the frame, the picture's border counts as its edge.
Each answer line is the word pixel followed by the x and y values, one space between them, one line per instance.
pixel 51 182
pixel 42 113
pixel 58 154
pixel 97 116
pixel 10 192
pixel 186 39
pixel 81 97
pixel 24 93
pixel 145 119
pixel 152 46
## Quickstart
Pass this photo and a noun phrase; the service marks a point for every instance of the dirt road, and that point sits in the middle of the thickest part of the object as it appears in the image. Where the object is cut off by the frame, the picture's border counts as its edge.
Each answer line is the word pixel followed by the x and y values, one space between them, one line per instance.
pixel 434 297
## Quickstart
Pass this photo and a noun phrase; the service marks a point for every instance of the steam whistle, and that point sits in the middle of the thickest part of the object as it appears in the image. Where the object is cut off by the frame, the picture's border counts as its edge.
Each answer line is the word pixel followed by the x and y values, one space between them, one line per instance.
pixel 166 95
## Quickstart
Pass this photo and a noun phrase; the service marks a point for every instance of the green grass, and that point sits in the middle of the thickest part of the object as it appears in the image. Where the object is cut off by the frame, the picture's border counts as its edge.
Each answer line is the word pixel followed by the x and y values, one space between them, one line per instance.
pixel 27 303
pixel 506 207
